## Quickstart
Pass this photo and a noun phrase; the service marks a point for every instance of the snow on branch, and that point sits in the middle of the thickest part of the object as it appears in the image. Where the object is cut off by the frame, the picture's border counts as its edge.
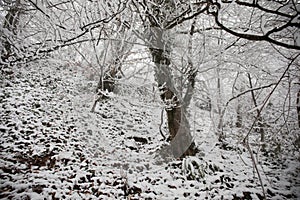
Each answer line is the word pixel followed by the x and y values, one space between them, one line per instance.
pixel 289 22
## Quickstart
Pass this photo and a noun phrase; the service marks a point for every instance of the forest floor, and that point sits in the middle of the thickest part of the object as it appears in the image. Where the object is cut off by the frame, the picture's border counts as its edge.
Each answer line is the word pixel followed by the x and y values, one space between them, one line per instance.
pixel 53 147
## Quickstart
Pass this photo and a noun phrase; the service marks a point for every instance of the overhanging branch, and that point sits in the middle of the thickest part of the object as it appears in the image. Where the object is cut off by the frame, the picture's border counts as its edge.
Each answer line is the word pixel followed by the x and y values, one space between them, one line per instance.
pixel 255 37
pixel 181 19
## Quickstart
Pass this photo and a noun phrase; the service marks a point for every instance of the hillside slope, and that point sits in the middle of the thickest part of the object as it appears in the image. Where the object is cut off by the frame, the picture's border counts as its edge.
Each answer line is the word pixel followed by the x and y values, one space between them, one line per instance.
pixel 53 147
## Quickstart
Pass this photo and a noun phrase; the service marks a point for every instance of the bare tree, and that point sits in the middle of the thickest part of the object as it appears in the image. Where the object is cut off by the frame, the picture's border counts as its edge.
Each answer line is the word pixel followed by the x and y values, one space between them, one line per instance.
pixel 276 22
pixel 49 26
pixel 159 19
pixel 10 28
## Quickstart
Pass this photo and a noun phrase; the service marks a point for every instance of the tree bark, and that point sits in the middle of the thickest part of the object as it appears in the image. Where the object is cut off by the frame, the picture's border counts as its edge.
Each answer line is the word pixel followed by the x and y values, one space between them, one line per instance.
pixel 182 143
pixel 259 117
pixel 220 132
pixel 120 51
pixel 298 107
pixel 159 40
pixel 107 82
pixel 239 117
pixel 11 21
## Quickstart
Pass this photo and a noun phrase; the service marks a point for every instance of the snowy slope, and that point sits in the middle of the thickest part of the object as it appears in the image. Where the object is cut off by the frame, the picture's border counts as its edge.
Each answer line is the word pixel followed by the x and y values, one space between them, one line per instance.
pixel 53 147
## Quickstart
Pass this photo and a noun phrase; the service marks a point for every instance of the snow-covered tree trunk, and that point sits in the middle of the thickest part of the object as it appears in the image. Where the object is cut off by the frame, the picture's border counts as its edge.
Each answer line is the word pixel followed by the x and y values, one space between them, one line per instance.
pixel 239 117
pixel 219 107
pixel 298 107
pixel 9 29
pixel 120 51
pixel 160 19
pixel 182 143
pixel 259 117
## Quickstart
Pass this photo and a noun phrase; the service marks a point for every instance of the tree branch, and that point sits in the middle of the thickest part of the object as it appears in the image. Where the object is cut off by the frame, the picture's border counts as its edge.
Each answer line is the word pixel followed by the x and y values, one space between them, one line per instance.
pixel 254 37
pixel 39 9
pixel 247 91
pixel 180 20
pixel 256 5
pixel 105 20
pixel 270 94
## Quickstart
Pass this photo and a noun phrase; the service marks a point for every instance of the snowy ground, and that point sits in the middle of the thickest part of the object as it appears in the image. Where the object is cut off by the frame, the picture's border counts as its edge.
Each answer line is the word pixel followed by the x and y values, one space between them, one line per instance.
pixel 53 147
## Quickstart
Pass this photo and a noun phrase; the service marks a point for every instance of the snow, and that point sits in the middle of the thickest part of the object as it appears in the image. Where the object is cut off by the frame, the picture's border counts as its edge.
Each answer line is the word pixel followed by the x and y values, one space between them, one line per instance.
pixel 53 147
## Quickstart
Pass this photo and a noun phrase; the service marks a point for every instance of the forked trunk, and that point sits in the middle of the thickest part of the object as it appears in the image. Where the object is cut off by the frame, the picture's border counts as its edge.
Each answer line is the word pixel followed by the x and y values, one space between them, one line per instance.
pixel 181 140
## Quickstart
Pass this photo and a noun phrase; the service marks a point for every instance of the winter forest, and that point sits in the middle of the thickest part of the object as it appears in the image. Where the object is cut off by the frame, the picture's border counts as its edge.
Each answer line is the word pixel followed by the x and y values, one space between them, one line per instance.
pixel 150 99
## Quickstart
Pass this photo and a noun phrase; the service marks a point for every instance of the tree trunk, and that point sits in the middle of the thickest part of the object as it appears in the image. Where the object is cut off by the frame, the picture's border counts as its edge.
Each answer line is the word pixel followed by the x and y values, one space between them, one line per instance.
pixel 239 117
pixel 159 41
pixel 298 107
pixel 182 143
pixel 259 118
pixel 107 82
pixel 220 133
pixel 10 24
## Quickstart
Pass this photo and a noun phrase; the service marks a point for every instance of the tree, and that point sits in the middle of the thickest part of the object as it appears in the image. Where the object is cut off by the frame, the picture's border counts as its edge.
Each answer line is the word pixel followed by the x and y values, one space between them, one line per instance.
pixel 272 21
pixel 298 107
pixel 51 26
pixel 9 29
pixel 160 18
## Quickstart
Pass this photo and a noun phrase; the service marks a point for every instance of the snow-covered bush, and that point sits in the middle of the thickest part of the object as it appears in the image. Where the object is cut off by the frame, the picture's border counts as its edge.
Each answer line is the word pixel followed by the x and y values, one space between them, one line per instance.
pixel 193 168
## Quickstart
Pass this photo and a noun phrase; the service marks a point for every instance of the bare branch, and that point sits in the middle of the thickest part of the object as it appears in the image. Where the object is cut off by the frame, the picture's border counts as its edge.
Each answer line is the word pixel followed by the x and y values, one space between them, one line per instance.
pixel 256 5
pixel 97 23
pixel 255 37
pixel 180 19
pixel 39 9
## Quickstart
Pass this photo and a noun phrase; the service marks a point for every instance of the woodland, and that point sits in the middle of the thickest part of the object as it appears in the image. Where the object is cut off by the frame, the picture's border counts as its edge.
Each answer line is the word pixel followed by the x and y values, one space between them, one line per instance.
pixel 150 99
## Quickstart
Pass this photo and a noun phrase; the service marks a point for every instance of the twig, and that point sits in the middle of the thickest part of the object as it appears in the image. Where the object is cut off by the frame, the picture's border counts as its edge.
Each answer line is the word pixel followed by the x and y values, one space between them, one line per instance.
pixel 246 138
pixel 161 122
pixel 256 168
pixel 269 96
